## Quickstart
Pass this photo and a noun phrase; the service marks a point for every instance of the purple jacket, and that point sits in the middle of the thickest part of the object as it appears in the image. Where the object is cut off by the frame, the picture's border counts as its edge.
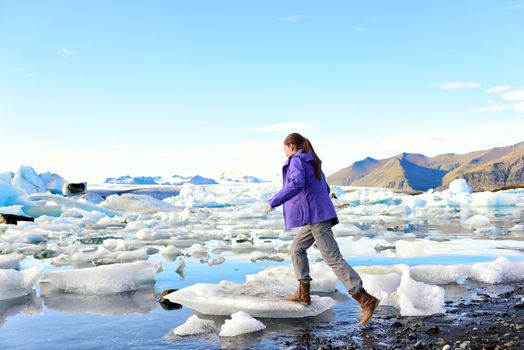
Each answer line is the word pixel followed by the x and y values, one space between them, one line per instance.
pixel 306 200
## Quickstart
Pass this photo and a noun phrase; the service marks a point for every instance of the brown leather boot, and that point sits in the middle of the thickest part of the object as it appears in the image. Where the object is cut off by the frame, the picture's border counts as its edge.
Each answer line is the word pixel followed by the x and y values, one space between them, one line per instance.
pixel 302 295
pixel 368 303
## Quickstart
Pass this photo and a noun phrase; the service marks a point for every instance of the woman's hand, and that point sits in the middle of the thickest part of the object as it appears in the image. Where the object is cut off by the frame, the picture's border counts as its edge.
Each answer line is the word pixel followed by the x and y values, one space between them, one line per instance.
pixel 268 208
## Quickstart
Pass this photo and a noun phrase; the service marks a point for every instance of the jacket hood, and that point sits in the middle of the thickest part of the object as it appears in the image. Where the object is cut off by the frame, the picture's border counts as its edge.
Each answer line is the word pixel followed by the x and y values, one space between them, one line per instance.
pixel 305 156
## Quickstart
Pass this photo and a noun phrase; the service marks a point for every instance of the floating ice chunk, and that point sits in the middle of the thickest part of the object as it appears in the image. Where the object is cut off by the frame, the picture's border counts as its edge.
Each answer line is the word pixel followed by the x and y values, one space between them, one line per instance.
pixel 171 250
pixel 28 180
pixel 136 203
pixel 255 256
pixel 134 255
pixel 71 203
pixel 107 279
pixel 15 283
pixel 11 261
pixel 215 261
pixel 459 186
pixel 121 245
pixel 498 271
pixel 477 221
pixel 195 326
pixel 383 287
pixel 414 202
pixel 151 234
pixel 241 322
pixel 257 299
pixel 439 274
pixel 198 248
pixel 494 199
pixel 346 230
pixel 418 298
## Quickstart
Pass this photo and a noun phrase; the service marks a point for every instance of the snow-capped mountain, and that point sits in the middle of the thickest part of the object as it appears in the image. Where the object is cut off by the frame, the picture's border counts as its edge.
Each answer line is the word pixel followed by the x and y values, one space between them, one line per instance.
pixel 159 180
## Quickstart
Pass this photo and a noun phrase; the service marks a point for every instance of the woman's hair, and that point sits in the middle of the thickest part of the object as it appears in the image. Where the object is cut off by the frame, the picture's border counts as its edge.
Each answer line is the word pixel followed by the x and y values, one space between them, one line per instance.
pixel 303 143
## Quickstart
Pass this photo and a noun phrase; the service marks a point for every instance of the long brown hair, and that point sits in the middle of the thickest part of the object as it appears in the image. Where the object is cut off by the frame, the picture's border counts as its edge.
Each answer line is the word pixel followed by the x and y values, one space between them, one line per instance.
pixel 303 143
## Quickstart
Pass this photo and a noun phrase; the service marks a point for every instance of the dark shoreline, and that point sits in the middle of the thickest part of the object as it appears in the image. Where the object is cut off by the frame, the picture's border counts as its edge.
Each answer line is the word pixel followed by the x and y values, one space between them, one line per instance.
pixel 488 321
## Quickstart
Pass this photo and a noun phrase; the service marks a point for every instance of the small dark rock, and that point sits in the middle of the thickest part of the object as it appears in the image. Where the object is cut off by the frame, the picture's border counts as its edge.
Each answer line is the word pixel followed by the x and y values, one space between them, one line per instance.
pixel 12 219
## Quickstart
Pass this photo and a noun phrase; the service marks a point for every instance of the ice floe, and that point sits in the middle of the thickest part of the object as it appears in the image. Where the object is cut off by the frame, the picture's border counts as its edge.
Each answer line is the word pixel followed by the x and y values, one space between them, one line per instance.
pixel 107 279
pixel 136 203
pixel 255 298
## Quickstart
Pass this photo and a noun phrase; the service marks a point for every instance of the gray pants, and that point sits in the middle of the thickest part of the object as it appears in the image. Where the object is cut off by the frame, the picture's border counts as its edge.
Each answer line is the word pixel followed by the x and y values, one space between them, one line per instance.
pixel 322 234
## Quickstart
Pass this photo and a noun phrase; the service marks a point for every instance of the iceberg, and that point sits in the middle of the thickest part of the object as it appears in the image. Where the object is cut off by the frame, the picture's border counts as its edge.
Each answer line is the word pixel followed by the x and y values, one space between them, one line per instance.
pixel 102 280
pixel 14 284
pixel 7 177
pixel 28 180
pixel 241 322
pixel 53 182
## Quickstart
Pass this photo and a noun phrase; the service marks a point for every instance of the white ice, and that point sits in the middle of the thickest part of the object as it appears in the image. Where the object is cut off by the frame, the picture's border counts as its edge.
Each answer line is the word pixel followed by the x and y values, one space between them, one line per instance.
pixel 28 180
pixel 240 323
pixel 14 284
pixel 195 326
pixel 136 203
pixel 107 279
pixel 11 261
pixel 72 203
pixel 256 298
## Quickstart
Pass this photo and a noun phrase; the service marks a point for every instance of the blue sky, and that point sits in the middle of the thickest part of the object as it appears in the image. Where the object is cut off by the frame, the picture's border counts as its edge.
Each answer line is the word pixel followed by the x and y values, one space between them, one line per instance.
pixel 92 89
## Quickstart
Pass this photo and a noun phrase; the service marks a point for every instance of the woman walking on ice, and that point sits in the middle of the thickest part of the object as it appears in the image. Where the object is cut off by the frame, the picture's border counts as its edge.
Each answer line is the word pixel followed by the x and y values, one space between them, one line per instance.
pixel 307 204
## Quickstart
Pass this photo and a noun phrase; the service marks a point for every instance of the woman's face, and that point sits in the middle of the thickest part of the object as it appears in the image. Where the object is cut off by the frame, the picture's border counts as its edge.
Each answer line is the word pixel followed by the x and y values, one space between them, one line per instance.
pixel 290 149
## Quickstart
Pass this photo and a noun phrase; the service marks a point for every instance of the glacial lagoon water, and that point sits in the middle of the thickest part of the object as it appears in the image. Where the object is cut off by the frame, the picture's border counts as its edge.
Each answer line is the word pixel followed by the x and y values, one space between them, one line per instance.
pixel 135 319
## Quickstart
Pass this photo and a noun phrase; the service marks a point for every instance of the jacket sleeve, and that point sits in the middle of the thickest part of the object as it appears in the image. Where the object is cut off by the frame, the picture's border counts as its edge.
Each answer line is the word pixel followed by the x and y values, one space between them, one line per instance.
pixel 295 180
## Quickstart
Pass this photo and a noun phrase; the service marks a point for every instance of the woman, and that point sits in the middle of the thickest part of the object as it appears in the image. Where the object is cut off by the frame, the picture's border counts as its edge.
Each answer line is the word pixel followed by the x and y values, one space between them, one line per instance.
pixel 307 204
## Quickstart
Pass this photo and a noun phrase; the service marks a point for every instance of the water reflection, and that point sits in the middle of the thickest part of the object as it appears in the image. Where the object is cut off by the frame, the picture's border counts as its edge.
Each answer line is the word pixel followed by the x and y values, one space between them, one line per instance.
pixel 137 302
pixel 28 304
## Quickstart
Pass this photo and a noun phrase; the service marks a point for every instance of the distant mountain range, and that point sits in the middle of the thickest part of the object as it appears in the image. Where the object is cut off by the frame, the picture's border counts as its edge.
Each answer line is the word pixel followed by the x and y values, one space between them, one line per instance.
pixel 180 180
pixel 484 170
pixel 159 180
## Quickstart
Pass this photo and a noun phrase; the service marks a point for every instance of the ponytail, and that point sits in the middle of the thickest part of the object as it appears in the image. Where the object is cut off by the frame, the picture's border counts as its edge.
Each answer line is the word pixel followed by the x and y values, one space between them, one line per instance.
pixel 303 143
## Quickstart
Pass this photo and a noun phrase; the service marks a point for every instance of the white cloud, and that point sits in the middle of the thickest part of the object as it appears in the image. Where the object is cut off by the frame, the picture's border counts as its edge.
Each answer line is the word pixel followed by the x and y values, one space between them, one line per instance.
pixel 514 95
pixel 519 107
pixel 67 52
pixel 498 89
pixel 493 107
pixel 291 18
pixel 282 127
pixel 458 85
